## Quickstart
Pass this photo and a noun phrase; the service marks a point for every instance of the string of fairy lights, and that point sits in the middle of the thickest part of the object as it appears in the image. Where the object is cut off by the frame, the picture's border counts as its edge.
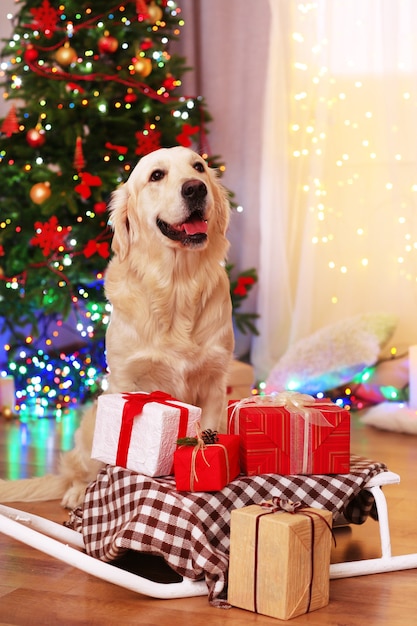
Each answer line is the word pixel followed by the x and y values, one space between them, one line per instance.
pixel 348 145
pixel 352 175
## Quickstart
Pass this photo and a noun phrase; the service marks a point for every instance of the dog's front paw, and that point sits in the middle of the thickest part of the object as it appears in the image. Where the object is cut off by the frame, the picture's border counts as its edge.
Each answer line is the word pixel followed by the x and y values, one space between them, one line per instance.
pixel 74 496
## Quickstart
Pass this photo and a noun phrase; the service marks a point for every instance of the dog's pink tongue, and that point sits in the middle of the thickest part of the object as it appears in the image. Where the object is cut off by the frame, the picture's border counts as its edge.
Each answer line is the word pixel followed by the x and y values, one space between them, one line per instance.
pixel 197 226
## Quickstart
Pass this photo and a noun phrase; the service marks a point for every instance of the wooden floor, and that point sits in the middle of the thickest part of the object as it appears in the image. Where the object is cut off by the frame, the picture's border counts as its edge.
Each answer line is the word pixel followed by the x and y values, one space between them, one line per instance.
pixel 37 589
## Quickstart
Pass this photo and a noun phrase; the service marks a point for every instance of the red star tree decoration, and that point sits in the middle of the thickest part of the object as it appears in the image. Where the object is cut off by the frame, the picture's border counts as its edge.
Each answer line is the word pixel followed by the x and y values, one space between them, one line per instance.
pixel 50 236
pixel 148 140
pixel 45 19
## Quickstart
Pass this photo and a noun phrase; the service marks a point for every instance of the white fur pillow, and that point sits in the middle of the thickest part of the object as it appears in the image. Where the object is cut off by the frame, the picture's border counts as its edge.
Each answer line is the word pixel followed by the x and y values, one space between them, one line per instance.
pixel 394 416
pixel 332 355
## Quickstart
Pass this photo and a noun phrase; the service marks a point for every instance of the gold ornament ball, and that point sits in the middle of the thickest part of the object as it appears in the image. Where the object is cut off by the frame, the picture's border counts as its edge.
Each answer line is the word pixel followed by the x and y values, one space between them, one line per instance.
pixel 155 13
pixel 7 412
pixel 40 192
pixel 66 55
pixel 143 66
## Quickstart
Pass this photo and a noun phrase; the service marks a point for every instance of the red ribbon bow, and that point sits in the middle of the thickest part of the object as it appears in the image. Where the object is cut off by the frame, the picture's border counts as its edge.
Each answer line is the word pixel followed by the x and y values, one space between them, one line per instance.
pixel 133 407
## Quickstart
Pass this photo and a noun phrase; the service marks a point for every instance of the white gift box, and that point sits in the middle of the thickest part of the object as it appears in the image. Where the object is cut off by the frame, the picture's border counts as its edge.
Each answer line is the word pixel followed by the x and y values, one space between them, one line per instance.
pixel 150 445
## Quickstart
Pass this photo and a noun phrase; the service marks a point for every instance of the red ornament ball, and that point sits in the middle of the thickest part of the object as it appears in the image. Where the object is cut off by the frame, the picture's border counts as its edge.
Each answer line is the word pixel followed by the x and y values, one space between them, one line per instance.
pixel 35 138
pixel 170 82
pixel 30 54
pixel 107 44
pixel 130 97
pixel 146 44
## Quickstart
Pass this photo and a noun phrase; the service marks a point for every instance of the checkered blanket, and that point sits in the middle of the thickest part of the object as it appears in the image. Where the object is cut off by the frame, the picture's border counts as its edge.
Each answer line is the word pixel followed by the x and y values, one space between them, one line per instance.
pixel 126 511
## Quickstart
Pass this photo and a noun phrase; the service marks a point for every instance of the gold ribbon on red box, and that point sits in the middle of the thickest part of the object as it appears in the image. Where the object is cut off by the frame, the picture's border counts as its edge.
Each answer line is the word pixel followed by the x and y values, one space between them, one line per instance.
pixel 300 406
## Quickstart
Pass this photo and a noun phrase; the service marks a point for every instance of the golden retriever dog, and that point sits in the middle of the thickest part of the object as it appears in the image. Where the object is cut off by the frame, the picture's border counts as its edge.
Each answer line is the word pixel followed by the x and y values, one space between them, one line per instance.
pixel 171 321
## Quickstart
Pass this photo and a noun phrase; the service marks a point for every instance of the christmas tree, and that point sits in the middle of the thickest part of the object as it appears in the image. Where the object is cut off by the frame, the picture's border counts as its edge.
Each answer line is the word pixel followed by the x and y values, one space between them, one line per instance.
pixel 92 87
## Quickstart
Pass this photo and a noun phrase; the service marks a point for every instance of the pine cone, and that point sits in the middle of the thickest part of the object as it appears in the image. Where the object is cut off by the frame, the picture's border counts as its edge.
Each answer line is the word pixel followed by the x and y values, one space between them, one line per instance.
pixel 209 436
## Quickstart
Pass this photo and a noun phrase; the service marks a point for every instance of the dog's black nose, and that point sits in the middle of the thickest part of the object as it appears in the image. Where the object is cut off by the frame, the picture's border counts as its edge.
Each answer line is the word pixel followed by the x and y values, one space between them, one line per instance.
pixel 194 189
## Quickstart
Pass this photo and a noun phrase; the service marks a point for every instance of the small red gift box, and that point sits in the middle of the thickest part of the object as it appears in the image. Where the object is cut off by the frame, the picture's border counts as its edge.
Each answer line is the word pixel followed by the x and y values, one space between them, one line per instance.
pixel 207 469
pixel 291 433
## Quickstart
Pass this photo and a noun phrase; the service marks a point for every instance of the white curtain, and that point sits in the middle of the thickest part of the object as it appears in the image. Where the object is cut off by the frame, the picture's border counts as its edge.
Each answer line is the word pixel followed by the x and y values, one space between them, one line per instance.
pixel 338 182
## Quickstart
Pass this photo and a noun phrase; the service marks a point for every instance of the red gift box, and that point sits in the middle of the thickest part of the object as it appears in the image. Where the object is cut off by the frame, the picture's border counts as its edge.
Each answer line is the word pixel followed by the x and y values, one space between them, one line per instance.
pixel 209 468
pixel 291 433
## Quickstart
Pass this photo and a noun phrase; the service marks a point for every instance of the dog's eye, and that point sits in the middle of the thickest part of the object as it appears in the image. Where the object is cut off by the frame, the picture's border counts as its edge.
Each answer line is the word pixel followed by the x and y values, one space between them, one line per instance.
pixel 157 175
pixel 199 166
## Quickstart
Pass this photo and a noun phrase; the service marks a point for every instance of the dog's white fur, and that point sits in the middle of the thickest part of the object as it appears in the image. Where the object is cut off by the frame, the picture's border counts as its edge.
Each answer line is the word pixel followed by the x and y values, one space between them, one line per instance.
pixel 171 322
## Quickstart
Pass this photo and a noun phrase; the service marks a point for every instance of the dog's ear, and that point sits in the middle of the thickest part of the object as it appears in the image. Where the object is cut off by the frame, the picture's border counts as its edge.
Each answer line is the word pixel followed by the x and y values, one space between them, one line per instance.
pixel 119 221
pixel 221 201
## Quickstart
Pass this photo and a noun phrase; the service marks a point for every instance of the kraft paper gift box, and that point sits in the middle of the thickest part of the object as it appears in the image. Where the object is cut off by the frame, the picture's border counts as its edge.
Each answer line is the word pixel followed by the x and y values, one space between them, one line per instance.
pixel 291 433
pixel 279 562
pixel 240 380
pixel 139 431
pixel 209 468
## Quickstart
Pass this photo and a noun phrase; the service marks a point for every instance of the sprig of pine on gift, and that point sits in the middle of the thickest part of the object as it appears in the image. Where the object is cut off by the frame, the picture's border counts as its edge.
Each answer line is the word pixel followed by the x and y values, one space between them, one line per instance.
pixel 208 437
